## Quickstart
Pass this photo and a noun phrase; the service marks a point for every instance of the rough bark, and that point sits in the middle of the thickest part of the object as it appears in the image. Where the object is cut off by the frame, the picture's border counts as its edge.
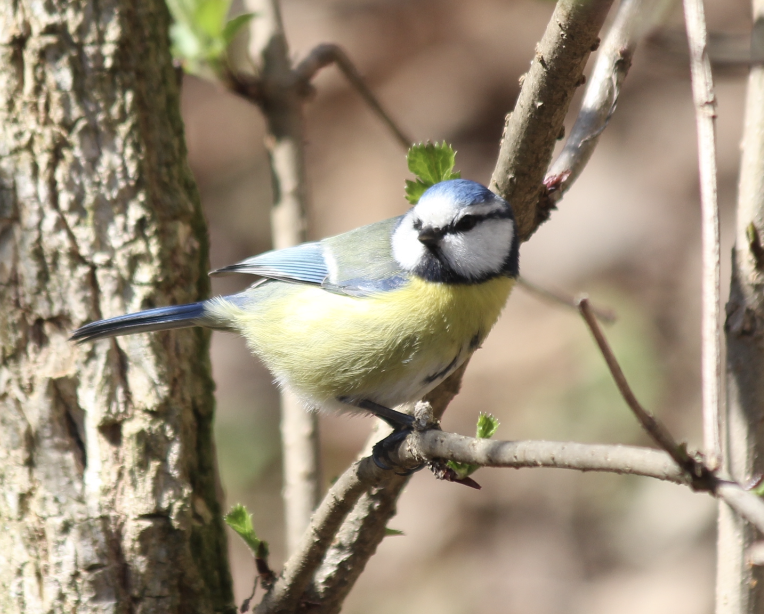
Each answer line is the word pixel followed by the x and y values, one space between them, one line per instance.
pixel 106 454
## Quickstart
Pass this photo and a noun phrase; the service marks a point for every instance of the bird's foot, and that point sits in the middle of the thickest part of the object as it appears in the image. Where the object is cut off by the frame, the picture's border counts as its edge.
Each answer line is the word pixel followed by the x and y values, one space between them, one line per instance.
pixel 384 452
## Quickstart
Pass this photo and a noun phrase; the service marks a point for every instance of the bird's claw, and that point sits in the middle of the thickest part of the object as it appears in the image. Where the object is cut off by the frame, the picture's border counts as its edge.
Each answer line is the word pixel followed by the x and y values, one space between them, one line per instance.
pixel 382 450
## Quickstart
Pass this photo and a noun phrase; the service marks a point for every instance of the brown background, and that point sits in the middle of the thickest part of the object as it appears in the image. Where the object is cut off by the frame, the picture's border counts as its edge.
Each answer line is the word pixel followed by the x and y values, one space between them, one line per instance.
pixel 532 541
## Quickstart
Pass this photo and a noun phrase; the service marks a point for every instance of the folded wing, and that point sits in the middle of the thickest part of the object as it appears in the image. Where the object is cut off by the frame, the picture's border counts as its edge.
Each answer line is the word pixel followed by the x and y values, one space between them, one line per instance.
pixel 303 263
pixel 356 263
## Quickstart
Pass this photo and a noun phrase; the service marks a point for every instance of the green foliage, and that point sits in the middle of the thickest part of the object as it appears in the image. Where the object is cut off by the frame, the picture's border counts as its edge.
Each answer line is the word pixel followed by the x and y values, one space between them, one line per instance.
pixel 486 428
pixel 431 163
pixel 240 520
pixel 200 33
pixel 392 532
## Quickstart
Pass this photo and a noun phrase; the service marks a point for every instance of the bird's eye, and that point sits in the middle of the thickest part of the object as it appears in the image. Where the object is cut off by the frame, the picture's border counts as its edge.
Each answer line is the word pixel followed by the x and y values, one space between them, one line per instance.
pixel 417 224
pixel 466 223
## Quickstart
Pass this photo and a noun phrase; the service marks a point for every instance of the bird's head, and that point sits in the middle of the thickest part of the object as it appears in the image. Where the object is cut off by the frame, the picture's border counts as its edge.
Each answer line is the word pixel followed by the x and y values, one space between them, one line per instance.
pixel 458 232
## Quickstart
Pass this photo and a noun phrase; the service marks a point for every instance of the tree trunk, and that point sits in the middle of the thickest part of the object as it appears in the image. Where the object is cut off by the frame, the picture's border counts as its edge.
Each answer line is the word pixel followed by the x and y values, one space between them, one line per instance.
pixel 106 456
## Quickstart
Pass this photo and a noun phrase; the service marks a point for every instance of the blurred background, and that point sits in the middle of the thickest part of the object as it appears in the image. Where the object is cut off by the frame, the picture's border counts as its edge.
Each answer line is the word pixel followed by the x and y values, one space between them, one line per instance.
pixel 628 233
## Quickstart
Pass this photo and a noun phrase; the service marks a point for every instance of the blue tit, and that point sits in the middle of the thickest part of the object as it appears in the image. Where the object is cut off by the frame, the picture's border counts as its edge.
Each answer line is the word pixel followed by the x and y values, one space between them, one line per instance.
pixel 373 318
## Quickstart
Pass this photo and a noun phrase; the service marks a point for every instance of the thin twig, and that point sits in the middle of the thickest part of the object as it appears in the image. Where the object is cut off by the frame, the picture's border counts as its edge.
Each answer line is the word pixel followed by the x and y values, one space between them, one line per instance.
pixel 634 19
pixel 623 460
pixel 607 316
pixel 703 479
pixel 705 115
pixel 325 54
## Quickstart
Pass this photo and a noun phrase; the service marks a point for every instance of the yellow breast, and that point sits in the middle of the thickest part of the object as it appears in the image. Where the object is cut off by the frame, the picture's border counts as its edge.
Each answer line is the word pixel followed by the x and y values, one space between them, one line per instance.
pixel 390 348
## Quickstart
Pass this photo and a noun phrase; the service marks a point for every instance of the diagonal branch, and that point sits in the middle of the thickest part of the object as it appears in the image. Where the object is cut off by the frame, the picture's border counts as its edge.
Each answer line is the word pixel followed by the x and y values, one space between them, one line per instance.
pixel 327 54
pixel 702 478
pixel 531 130
pixel 287 592
pixel 605 315
pixel 633 21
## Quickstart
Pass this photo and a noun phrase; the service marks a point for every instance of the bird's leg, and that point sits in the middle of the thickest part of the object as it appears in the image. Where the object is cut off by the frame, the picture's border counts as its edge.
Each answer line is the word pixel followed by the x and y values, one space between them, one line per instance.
pixel 402 424
pixel 396 419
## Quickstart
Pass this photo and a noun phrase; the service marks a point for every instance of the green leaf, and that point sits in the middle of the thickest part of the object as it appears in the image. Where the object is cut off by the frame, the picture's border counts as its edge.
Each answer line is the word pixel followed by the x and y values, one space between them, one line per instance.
pixel 414 190
pixel 186 45
pixel 210 16
pixel 237 23
pixel 182 11
pixel 200 33
pixel 392 532
pixel 486 426
pixel 241 521
pixel 431 163
pixel 462 470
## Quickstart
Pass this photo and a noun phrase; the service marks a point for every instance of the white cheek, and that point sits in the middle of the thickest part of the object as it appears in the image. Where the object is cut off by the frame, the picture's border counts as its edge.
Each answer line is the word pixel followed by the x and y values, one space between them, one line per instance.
pixel 480 251
pixel 408 251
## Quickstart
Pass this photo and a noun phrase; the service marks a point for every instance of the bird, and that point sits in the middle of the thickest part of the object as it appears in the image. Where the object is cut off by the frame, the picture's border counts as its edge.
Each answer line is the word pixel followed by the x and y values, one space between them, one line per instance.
pixel 371 319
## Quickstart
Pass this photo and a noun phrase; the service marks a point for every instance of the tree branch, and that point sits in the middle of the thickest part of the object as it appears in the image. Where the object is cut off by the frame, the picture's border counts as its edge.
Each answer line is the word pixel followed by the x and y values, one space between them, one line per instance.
pixel 702 477
pixel 364 527
pixel 281 104
pixel 326 54
pixel 532 128
pixel 607 316
pixel 434 444
pixel 705 115
pixel 740 588
pixel 634 20
pixel 287 593
pixel 364 480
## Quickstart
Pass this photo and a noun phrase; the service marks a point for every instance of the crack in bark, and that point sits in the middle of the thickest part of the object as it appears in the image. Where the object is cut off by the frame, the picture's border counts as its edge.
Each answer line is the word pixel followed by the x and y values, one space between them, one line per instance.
pixel 74 418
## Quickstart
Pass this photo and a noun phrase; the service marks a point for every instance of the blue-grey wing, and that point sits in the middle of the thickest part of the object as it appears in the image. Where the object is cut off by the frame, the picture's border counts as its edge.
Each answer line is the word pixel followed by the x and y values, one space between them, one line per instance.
pixel 362 262
pixel 303 263
pixel 356 263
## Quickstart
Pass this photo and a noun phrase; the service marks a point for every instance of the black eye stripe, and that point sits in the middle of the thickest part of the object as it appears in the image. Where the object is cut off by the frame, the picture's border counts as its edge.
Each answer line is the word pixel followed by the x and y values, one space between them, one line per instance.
pixel 466 222
pixel 458 226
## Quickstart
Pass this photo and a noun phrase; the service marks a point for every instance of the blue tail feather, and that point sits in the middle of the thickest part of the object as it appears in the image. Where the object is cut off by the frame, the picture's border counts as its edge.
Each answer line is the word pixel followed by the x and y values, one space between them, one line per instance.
pixel 161 318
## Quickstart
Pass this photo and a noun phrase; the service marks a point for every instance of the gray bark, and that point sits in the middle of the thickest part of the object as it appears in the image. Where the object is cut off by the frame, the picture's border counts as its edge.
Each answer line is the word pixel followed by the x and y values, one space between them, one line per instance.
pixel 106 457
pixel 740 585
